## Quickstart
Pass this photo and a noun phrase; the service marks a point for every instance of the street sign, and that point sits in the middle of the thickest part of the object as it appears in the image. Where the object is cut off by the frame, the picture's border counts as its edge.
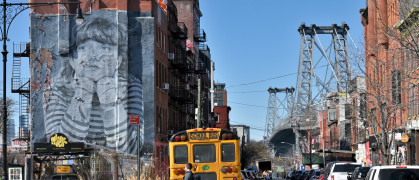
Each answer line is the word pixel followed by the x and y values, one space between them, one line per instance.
pixel 134 119
pixel 63 169
pixel 405 138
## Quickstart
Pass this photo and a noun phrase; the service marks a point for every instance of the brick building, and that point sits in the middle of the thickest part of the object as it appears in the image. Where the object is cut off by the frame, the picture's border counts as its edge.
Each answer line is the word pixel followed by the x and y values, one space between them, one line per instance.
pixel 160 61
pixel 391 66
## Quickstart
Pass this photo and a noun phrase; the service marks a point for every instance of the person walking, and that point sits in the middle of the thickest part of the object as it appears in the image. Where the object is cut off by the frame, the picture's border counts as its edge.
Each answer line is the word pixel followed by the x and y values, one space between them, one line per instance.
pixel 188 172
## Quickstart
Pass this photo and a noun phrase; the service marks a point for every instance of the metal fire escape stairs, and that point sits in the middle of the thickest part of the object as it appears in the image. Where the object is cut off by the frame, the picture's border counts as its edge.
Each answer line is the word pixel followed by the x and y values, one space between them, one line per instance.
pixel 22 87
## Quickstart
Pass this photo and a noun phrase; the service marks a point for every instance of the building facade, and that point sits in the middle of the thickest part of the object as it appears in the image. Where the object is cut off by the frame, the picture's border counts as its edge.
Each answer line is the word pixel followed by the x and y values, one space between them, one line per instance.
pixel 126 59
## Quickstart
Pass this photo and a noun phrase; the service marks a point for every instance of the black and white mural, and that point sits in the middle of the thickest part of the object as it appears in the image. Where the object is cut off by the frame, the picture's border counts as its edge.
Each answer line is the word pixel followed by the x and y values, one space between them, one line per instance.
pixel 87 79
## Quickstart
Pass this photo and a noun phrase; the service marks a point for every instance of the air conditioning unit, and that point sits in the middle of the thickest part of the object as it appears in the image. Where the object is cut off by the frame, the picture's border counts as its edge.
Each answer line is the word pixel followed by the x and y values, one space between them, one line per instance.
pixel 171 132
pixel 171 56
pixel 165 86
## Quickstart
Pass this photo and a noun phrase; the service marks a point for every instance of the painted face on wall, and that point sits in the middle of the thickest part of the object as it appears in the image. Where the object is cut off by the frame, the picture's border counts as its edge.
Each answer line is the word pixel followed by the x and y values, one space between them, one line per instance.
pixel 95 60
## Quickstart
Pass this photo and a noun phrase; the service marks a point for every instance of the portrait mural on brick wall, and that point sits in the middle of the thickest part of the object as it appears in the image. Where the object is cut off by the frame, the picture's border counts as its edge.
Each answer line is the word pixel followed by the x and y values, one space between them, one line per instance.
pixel 87 92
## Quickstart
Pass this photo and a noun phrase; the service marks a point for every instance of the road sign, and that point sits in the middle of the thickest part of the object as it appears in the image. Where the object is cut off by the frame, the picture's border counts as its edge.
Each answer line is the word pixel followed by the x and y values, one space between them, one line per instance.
pixel 63 169
pixel 405 138
pixel 134 119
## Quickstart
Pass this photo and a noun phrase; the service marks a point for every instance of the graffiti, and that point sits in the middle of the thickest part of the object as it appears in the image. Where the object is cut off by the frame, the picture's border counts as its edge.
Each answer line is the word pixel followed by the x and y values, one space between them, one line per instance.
pixel 58 141
pixel 89 94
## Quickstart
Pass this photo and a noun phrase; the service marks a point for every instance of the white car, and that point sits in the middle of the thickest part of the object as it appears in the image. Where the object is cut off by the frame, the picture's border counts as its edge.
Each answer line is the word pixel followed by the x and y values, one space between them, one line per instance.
pixel 393 173
pixel 340 170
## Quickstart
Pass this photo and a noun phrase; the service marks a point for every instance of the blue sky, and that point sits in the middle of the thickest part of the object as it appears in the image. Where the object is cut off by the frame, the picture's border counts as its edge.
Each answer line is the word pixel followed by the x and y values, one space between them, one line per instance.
pixel 252 41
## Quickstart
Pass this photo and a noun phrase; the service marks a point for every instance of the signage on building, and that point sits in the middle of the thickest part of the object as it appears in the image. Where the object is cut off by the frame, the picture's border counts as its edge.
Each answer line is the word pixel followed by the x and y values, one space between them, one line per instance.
pixel 405 138
pixel 163 5
pixel 63 169
pixel 58 143
pixel 19 145
pixel 398 136
pixel 134 119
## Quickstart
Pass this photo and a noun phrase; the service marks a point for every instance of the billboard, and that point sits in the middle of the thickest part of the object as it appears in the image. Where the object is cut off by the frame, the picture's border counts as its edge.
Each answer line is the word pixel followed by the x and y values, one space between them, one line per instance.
pixel 85 80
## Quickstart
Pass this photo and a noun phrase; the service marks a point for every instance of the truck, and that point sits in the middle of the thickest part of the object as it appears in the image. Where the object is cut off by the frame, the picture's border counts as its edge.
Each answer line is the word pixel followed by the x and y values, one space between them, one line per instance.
pixel 263 165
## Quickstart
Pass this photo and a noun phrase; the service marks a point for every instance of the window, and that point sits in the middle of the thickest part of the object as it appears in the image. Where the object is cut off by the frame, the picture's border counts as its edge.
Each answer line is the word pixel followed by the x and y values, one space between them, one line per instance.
pixel 15 174
pixel 204 153
pixel 228 153
pixel 332 115
pixel 405 174
pixel 181 154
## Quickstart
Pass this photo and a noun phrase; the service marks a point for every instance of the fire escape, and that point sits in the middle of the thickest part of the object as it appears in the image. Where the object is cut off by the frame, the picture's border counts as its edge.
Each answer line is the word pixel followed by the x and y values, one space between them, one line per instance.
pixel 21 85
pixel 182 98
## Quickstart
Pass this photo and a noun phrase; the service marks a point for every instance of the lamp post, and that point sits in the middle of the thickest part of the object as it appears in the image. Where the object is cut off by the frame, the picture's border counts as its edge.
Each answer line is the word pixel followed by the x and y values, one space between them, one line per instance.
pixel 9 12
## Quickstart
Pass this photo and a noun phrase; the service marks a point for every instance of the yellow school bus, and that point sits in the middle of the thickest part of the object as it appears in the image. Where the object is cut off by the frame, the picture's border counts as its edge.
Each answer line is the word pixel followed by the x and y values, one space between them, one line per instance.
pixel 214 154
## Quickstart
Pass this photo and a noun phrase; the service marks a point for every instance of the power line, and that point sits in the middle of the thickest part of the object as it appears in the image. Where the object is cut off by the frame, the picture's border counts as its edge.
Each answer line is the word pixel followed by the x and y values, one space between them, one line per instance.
pixel 247 104
pixel 272 78
pixel 247 92
pixel 261 80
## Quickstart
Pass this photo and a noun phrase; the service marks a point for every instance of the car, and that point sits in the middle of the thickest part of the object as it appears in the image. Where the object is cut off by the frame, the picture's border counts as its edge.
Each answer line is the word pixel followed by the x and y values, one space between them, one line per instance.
pixel 340 170
pixel 251 175
pixel 65 177
pixel 244 175
pixel 316 174
pixel 359 173
pixel 393 173
pixel 288 174
pixel 299 174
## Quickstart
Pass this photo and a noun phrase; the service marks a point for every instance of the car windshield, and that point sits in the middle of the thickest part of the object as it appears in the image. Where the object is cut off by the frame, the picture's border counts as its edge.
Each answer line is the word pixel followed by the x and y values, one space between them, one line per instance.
pixel 396 174
pixel 299 172
pixel 363 171
pixel 345 167
pixel 317 173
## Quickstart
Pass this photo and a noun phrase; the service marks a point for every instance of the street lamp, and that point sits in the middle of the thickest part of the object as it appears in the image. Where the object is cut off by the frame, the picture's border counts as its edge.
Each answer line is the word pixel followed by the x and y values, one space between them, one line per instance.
pixel 10 11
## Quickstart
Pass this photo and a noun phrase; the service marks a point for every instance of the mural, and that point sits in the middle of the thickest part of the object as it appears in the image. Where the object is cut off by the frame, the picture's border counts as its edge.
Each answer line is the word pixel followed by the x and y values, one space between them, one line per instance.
pixel 81 82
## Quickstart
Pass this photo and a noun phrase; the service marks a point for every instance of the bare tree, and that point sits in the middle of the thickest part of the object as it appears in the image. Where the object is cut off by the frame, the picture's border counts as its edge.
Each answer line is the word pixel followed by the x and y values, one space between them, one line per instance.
pixel 253 151
pixel 10 105
pixel 391 51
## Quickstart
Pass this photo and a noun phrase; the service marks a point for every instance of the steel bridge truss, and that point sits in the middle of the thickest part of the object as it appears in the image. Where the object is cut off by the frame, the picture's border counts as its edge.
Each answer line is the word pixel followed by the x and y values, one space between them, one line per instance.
pixel 276 105
pixel 340 67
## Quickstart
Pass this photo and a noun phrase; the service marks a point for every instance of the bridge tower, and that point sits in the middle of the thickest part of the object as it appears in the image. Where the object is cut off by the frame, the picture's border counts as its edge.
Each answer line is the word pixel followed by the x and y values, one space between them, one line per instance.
pixel 328 71
pixel 274 103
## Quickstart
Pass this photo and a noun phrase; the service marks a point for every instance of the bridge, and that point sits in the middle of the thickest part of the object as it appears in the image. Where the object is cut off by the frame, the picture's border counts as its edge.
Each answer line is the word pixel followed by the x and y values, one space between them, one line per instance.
pixel 328 69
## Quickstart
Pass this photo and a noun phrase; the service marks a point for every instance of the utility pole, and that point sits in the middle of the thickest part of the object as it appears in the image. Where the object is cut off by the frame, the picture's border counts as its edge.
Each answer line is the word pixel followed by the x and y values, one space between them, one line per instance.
pixel 198 119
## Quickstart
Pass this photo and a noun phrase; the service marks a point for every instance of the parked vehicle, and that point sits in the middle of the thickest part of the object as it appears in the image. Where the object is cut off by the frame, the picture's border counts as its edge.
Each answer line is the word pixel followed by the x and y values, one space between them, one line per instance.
pixel 294 175
pixel 65 177
pixel 244 175
pixel 306 175
pixel 340 170
pixel 393 173
pixel 316 174
pixel 288 174
pixel 300 175
pixel 359 173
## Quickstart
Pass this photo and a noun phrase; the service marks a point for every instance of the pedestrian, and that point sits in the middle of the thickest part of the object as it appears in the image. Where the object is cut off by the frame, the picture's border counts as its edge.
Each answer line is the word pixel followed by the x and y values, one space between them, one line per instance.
pixel 188 172
pixel 267 177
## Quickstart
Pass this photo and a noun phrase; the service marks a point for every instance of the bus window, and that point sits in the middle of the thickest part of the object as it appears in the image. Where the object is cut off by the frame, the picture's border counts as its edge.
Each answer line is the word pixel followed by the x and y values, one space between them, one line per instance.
pixel 181 154
pixel 228 153
pixel 204 153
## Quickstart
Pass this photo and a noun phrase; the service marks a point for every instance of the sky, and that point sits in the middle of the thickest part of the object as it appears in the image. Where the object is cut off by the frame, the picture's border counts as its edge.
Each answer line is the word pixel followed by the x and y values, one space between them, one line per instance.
pixel 257 41
pixel 252 42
